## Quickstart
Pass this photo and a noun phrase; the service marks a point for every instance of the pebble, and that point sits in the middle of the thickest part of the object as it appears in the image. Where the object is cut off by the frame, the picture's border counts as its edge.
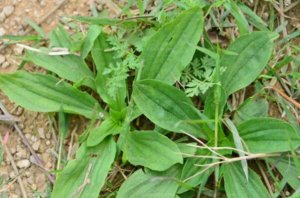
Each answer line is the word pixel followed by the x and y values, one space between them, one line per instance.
pixel 5 64
pixel 48 135
pixel 18 50
pixel 8 10
pixel 12 175
pixel 2 30
pixel 41 132
pixel 21 154
pixel 23 163
pixel 32 159
pixel 36 145
pixel 2 59
pixel 48 142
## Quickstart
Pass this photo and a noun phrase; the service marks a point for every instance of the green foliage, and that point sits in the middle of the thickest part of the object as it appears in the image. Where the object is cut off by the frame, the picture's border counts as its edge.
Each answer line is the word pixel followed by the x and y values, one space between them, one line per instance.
pixel 171 117
pixel 161 153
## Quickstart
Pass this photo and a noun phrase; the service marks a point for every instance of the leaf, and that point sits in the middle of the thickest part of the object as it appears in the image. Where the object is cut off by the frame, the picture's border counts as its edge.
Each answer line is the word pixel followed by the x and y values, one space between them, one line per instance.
pixel 91 164
pixel 240 18
pixel 236 184
pixel 254 51
pixel 102 60
pixel 167 107
pixel 172 48
pixel 194 173
pixel 93 33
pixel 251 108
pixel 44 93
pixel 288 170
pixel 69 67
pixel 152 150
pixel 107 127
pixel 144 185
pixel 267 135
pixel 59 37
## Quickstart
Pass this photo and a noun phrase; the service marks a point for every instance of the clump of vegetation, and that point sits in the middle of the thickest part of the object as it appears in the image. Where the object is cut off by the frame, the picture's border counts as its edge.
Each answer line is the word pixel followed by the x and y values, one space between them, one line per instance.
pixel 203 135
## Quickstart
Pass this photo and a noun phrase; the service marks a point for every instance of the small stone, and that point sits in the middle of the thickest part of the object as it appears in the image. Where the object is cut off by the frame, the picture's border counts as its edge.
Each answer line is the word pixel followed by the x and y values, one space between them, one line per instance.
pixel 8 10
pixel 36 145
pixel 5 64
pixel 23 163
pixel 12 175
pixel 34 187
pixel 48 142
pixel 48 135
pixel 41 132
pixel 33 138
pixel 18 50
pixel 13 150
pixel 2 59
pixel 2 17
pixel 21 154
pixel 2 31
pixel 32 159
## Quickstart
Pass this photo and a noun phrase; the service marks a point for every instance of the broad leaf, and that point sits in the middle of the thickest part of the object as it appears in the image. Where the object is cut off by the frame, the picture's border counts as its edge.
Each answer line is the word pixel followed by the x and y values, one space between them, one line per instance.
pixel 144 185
pixel 236 184
pixel 44 93
pixel 251 108
pixel 171 49
pixel 167 107
pixel 85 176
pixel 267 135
pixel 69 67
pixel 254 50
pixel 107 127
pixel 92 34
pixel 152 150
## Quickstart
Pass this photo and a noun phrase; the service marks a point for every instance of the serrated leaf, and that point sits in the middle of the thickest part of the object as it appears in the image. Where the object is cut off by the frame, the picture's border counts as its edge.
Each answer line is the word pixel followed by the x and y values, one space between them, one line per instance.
pixel 251 108
pixel 69 67
pixel 92 34
pixel 44 93
pixel 236 184
pixel 102 60
pixel 152 150
pixel 254 50
pixel 140 184
pixel 267 135
pixel 107 127
pixel 91 164
pixel 172 48
pixel 167 107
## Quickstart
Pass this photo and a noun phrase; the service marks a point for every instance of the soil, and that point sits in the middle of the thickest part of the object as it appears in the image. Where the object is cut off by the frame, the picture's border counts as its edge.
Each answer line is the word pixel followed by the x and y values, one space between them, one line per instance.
pixel 37 127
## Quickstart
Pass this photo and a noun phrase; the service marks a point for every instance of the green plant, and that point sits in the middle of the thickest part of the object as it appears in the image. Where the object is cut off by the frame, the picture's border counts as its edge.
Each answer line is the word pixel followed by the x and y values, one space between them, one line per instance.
pixel 133 70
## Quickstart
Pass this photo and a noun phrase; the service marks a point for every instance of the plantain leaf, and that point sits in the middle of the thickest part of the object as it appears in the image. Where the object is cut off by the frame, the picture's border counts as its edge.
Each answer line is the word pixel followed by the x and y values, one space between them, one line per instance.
pixel 93 33
pixel 69 67
pixel 167 107
pixel 267 135
pixel 107 127
pixel 251 108
pixel 44 93
pixel 140 184
pixel 85 176
pixel 254 50
pixel 236 184
pixel 152 150
pixel 172 48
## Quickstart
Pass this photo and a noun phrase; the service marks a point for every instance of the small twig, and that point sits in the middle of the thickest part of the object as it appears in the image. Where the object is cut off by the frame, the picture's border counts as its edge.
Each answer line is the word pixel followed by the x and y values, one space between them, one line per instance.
pixel 286 97
pixel 13 164
pixel 291 6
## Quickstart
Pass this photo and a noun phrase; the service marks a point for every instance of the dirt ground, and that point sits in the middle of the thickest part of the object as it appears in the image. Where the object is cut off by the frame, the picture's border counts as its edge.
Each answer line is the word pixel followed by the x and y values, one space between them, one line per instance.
pixel 37 127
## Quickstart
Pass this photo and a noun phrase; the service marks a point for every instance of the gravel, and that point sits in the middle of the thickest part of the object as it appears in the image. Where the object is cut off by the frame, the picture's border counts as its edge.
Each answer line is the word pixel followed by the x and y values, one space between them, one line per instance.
pixel 23 163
